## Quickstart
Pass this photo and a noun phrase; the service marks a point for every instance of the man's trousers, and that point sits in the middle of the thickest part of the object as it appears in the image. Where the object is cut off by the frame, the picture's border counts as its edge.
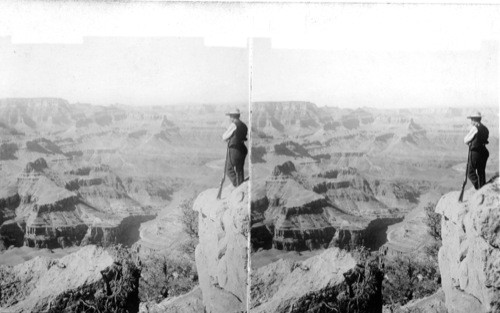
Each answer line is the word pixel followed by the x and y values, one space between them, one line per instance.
pixel 477 166
pixel 234 166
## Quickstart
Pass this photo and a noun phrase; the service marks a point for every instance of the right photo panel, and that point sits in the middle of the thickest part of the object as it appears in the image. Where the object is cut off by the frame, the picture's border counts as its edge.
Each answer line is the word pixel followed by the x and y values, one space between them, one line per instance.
pixel 374 170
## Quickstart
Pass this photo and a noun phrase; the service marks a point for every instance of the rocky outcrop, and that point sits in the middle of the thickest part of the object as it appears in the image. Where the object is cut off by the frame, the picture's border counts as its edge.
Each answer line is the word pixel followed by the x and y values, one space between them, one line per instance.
pixel 469 259
pixel 91 279
pixel 37 165
pixel 332 281
pixel 190 302
pixel 275 117
pixel 221 255
pixel 286 168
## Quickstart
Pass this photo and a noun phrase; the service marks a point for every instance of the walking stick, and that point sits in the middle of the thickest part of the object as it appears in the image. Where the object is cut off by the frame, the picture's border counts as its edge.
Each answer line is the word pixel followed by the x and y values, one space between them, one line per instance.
pixel 460 199
pixel 224 176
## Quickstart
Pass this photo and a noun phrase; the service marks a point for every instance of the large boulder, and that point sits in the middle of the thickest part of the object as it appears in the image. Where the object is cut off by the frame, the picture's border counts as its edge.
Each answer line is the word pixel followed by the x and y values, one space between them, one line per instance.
pixel 91 279
pixel 222 253
pixel 332 281
pixel 469 259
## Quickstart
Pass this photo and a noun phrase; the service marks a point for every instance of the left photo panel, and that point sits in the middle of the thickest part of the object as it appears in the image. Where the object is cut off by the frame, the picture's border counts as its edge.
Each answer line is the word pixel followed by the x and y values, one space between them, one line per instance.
pixel 124 175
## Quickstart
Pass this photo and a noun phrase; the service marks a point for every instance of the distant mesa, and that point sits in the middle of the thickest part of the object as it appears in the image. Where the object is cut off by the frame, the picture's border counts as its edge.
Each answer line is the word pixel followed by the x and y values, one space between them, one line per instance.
pixel 138 134
pixel 309 122
pixel 285 169
pixel 168 130
pixel 103 119
pixel 8 129
pixel 43 145
pixel 414 126
pixel 292 149
pixel 257 155
pixel 354 119
pixel 385 137
pixel 331 125
pixel 82 171
pixel 409 139
pixel 33 112
pixel 295 117
pixel 8 151
pixel 83 122
pixel 416 134
pixel 38 165
pixel 454 112
pixel 163 135
pixel 292 115
pixel 364 116
pixel 284 107
pixel 166 123
pixel 260 134
pixel 350 122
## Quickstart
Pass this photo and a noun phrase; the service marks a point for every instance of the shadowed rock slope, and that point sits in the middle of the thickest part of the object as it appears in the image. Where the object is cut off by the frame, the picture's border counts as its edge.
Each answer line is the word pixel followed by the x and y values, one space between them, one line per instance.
pixel 469 259
pixel 332 281
pixel 222 253
pixel 90 280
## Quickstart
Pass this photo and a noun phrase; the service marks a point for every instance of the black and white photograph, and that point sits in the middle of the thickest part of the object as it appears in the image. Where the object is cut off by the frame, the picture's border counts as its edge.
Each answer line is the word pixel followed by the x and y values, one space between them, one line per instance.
pixel 112 154
pixel 375 162
pixel 264 157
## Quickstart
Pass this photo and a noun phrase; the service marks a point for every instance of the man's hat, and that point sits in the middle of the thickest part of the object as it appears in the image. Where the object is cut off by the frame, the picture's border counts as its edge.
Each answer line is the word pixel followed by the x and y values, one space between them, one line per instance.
pixel 475 115
pixel 234 111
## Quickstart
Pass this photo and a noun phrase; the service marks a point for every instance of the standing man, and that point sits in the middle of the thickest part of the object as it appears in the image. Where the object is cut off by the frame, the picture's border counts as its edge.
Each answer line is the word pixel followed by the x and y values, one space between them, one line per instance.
pixel 235 136
pixel 477 138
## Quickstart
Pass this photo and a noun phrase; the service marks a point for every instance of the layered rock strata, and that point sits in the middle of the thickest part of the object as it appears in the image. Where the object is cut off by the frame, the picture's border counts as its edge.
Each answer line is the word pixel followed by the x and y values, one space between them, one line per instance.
pixel 221 255
pixel 287 215
pixel 45 210
pixel 469 259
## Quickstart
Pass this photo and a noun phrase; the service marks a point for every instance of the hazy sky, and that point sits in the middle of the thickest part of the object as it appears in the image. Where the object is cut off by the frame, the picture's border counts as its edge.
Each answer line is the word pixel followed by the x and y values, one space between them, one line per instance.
pixel 329 53
pixel 376 77
pixel 136 71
